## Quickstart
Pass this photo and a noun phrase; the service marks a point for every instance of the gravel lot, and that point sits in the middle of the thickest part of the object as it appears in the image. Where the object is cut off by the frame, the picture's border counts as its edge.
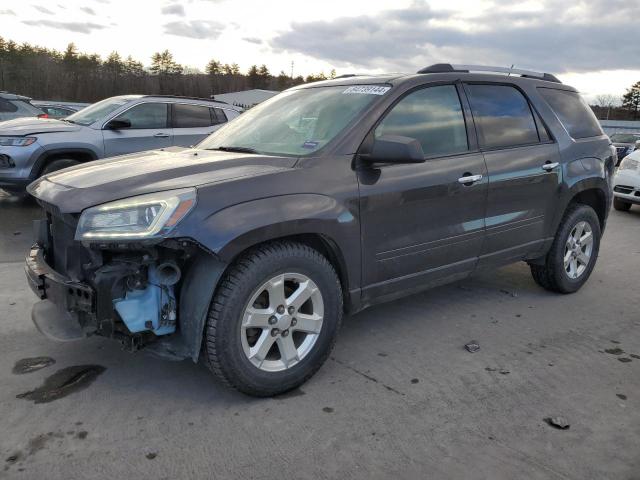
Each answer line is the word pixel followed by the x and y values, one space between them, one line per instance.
pixel 399 398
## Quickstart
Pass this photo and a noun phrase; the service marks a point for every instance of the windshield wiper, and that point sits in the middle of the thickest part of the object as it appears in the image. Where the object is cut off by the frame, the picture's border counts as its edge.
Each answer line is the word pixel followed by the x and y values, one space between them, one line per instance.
pixel 236 149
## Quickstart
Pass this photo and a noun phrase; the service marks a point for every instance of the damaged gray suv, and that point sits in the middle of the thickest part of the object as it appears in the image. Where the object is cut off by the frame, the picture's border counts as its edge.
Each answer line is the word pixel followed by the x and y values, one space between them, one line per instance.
pixel 247 250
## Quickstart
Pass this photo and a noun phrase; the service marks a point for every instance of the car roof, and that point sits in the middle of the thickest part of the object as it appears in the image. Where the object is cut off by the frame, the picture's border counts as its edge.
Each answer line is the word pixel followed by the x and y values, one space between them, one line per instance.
pixel 13 96
pixel 448 72
pixel 194 100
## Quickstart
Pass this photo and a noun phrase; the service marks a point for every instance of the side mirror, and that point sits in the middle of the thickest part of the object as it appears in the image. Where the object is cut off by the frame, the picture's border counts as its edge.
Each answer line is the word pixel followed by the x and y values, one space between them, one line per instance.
pixel 637 143
pixel 118 124
pixel 395 149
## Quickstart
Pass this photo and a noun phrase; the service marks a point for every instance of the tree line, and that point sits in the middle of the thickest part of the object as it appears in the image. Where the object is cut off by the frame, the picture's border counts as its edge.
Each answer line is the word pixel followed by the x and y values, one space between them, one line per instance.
pixel 612 107
pixel 43 73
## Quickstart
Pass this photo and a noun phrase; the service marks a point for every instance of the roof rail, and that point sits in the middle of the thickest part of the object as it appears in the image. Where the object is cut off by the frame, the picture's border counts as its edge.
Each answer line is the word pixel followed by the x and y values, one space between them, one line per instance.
pixel 447 67
pixel 345 75
pixel 179 97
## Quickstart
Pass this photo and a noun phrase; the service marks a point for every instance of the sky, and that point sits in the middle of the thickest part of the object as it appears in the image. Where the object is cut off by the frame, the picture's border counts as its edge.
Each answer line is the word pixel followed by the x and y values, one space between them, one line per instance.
pixel 590 44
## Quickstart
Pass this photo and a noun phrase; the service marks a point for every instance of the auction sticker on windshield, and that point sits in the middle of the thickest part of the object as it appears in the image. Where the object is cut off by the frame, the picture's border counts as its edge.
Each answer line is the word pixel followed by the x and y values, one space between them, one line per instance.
pixel 367 89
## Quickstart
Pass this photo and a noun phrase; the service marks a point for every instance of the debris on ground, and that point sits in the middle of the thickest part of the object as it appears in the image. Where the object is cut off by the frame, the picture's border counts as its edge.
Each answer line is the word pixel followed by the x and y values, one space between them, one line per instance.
pixel 504 371
pixel 621 396
pixel 624 359
pixel 473 346
pixel 633 355
pixel 507 292
pixel 28 365
pixel 614 351
pixel 414 380
pixel 490 369
pixel 560 423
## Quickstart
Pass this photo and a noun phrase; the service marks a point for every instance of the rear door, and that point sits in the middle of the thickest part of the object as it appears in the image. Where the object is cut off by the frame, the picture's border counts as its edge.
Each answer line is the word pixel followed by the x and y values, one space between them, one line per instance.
pixel 523 167
pixel 149 130
pixel 420 223
pixel 192 123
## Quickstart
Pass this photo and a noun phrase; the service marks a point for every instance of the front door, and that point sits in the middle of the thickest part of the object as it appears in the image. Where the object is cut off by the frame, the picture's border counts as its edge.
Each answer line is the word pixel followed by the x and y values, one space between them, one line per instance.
pixel 149 130
pixel 524 172
pixel 420 223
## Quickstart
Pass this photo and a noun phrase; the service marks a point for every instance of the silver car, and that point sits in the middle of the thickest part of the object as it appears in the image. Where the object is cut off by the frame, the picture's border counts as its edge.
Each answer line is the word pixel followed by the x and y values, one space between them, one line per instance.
pixel 59 109
pixel 31 147
pixel 16 106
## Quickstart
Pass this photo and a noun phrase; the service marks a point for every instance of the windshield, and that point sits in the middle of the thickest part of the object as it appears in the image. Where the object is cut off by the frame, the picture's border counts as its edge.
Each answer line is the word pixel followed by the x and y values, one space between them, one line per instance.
pixel 625 137
pixel 95 112
pixel 297 122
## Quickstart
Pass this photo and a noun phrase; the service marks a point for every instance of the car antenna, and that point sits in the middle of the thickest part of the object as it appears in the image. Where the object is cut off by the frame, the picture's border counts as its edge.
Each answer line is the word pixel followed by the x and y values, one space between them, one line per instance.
pixel 510 68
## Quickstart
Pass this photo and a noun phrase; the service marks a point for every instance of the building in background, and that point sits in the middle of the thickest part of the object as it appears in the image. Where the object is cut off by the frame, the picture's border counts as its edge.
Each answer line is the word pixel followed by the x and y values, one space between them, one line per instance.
pixel 246 98
pixel 620 126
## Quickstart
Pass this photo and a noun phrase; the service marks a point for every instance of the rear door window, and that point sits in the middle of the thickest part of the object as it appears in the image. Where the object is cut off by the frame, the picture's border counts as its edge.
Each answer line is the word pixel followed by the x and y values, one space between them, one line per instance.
pixel 573 112
pixel 503 116
pixel 433 116
pixel 191 116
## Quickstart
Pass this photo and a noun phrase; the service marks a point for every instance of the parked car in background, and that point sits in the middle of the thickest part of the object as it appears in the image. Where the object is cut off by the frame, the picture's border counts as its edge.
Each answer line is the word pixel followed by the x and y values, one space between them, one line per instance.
pixel 626 184
pixel 625 144
pixel 325 199
pixel 59 110
pixel 16 106
pixel 30 147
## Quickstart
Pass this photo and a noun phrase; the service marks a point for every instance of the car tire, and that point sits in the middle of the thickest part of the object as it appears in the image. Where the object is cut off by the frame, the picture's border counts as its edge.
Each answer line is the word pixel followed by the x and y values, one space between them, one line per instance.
pixel 621 205
pixel 251 287
pixel 558 275
pixel 59 164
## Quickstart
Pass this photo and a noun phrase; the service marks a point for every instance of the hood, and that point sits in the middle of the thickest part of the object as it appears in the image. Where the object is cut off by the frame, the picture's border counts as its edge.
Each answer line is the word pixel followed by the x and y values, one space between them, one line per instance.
pixel 33 125
pixel 74 189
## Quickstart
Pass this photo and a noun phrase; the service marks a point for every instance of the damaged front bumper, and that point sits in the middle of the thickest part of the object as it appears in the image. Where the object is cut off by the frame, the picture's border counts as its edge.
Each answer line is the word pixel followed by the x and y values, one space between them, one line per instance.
pixel 64 304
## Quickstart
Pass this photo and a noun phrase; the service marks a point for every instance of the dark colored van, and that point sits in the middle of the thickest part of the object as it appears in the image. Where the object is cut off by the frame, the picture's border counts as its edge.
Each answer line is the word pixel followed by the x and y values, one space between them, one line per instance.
pixel 248 249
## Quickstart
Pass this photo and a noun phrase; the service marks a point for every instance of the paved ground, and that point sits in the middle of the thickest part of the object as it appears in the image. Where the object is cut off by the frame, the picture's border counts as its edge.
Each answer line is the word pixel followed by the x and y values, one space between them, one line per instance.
pixel 400 397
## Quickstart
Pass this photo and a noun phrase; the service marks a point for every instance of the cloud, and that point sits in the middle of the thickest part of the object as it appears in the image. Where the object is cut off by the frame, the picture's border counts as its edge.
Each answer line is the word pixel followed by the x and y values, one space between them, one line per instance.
pixel 199 29
pixel 7 12
pixel 582 36
pixel 42 9
pixel 88 10
pixel 79 27
pixel 174 9
pixel 257 41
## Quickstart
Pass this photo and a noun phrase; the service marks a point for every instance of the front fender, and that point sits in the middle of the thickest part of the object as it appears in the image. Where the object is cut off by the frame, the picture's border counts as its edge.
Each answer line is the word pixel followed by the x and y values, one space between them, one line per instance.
pixel 232 230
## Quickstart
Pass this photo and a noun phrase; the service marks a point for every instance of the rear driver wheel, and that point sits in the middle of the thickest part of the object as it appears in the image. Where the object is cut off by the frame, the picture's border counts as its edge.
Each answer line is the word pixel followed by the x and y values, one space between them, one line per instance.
pixel 573 254
pixel 274 318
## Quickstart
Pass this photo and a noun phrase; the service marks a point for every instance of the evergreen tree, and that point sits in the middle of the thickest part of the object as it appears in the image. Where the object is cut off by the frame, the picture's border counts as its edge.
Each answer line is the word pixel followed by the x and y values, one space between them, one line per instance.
pixel 631 100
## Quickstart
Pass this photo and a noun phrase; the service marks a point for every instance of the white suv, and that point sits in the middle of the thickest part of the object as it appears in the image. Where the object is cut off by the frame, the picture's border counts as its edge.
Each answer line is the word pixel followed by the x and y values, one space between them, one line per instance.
pixel 626 184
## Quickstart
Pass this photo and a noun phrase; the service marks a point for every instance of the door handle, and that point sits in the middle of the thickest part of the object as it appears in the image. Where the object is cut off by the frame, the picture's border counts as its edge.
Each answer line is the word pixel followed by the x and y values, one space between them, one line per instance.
pixel 550 166
pixel 469 179
pixel 161 135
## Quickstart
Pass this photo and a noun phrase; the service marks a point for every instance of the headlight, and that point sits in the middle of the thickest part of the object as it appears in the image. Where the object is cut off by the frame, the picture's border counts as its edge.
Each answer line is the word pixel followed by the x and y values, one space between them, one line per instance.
pixel 629 164
pixel 136 218
pixel 17 141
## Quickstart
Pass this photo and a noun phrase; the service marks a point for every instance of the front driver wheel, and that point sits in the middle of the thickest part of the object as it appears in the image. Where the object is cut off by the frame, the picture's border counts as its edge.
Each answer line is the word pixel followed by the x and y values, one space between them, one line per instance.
pixel 273 319
pixel 572 256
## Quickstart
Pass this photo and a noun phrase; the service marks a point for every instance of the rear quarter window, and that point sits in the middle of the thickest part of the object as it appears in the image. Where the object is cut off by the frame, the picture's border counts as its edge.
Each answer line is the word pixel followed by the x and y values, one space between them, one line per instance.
pixel 573 112
pixel 7 107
